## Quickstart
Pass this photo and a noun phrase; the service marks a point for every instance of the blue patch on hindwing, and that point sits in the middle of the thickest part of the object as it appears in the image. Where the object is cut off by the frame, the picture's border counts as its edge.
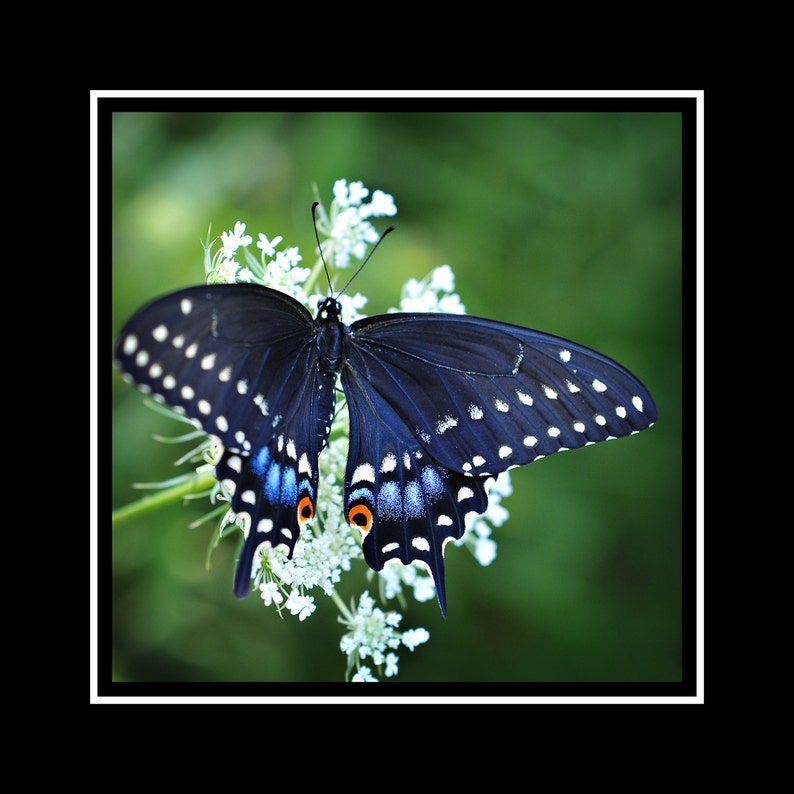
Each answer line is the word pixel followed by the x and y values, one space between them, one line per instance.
pixel 259 461
pixel 289 490
pixel 272 482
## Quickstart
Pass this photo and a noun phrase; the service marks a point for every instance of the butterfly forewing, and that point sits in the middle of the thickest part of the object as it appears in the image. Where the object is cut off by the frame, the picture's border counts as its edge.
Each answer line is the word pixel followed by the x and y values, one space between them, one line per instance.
pixel 481 396
pixel 228 357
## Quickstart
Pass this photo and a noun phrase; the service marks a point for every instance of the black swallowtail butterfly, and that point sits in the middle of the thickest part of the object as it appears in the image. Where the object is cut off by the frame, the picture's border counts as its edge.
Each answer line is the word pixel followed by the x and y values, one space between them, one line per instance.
pixel 438 403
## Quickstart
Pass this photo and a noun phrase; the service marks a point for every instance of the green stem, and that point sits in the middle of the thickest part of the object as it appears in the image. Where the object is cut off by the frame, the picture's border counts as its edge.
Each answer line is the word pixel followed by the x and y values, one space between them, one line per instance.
pixel 341 606
pixel 151 502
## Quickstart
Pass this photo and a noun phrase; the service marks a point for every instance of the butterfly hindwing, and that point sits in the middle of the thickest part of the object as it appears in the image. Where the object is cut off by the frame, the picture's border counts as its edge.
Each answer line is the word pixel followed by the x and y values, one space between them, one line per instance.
pixel 405 504
pixel 480 396
pixel 274 491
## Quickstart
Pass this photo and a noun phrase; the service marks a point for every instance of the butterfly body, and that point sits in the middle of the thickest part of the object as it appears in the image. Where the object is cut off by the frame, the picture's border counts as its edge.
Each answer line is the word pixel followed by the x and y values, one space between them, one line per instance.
pixel 438 404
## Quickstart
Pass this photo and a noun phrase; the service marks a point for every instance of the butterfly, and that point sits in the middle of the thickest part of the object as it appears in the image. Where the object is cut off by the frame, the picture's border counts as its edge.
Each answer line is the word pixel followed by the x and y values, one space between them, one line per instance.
pixel 438 404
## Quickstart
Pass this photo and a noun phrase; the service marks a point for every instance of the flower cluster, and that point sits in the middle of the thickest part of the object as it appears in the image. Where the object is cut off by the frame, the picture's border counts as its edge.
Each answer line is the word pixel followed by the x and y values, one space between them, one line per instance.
pixel 373 634
pixel 327 549
pixel 346 226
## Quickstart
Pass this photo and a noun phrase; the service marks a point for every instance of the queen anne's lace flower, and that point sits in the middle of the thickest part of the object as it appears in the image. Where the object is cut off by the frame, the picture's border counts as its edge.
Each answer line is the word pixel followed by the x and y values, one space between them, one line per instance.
pixel 328 547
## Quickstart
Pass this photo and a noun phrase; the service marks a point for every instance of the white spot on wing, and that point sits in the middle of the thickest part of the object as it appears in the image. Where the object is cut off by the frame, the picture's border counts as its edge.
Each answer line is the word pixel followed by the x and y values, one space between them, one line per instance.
pixel 519 358
pixel 599 386
pixel 637 402
pixel 260 400
pixel 420 544
pixel 265 525
pixel 364 472
pixel 475 412
pixel 160 333
pixel 445 424
pixel 186 305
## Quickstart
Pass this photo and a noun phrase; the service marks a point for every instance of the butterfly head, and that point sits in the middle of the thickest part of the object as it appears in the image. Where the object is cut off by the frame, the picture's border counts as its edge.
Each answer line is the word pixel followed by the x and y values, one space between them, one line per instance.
pixel 328 309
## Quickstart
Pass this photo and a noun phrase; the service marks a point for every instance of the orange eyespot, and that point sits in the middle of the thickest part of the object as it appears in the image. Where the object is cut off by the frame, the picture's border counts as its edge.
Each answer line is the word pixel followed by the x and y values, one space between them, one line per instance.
pixel 305 510
pixel 360 517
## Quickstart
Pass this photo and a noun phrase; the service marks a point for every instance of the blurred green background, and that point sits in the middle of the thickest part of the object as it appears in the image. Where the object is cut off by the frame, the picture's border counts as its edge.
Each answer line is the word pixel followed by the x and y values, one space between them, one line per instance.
pixel 569 222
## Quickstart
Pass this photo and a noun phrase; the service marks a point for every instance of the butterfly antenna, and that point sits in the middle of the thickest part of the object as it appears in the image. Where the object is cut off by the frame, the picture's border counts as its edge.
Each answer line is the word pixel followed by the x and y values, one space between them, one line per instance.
pixel 369 256
pixel 319 246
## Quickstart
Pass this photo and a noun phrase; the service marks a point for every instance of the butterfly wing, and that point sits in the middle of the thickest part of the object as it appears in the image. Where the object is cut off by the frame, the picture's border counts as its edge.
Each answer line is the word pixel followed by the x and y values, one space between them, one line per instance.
pixel 406 505
pixel 481 396
pixel 240 362
pixel 438 403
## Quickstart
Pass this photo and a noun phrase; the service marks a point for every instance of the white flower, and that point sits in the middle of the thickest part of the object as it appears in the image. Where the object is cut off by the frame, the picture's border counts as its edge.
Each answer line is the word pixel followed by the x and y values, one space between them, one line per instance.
pixel 363 675
pixel 414 637
pixel 432 294
pixel 443 279
pixel 381 204
pixel 227 270
pixel 346 224
pixel 234 239
pixel 268 246
pixel 290 257
pixel 484 551
pixel 424 588
pixel 391 665
pixel 300 605
pixel 270 593
pixel 349 195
